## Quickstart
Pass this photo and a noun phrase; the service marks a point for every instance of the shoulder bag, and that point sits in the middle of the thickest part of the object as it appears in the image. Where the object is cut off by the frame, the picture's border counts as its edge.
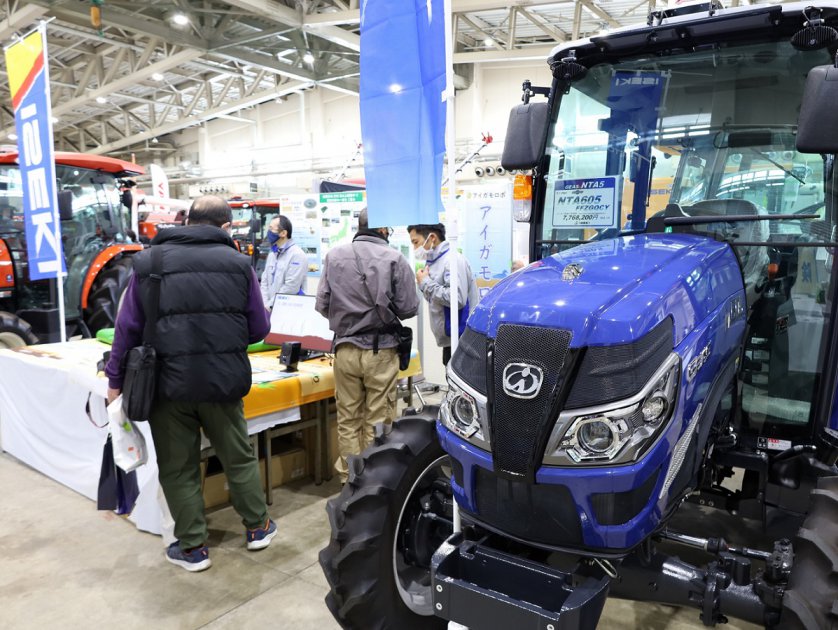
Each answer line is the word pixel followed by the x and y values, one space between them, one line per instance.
pixel 140 382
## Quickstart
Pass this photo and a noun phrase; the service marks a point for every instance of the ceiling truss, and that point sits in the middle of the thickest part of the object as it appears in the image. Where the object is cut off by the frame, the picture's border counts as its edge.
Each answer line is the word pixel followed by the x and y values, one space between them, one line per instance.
pixel 121 88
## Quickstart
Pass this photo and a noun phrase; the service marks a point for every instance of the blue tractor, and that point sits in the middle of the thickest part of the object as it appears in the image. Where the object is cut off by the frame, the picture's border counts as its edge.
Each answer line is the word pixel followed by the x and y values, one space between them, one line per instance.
pixel 648 411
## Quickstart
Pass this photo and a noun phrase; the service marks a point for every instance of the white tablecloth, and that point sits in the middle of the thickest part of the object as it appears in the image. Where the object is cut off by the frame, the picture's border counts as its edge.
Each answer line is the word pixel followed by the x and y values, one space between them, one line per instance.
pixel 44 391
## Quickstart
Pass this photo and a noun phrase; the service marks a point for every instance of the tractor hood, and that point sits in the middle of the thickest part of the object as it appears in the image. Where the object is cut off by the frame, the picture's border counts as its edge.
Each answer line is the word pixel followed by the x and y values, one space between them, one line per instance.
pixel 616 291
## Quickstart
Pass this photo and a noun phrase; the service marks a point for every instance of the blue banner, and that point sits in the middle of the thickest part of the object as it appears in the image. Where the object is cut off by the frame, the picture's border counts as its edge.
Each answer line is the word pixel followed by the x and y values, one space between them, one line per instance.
pixel 26 62
pixel 402 109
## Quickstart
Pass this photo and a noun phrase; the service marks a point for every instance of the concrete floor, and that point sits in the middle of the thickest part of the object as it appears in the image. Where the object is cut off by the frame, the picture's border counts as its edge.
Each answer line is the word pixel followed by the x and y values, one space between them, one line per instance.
pixel 64 565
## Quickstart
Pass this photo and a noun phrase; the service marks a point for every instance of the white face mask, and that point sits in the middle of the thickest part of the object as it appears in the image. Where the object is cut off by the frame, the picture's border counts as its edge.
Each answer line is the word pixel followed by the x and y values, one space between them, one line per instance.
pixel 420 253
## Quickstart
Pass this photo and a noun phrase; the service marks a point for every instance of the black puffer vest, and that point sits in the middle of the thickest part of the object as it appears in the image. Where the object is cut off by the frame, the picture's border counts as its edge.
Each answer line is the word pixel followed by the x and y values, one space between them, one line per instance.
pixel 202 331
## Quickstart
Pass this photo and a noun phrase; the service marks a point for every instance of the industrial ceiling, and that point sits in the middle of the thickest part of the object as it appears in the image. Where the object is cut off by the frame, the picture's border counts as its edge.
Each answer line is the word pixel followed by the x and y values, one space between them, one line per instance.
pixel 153 67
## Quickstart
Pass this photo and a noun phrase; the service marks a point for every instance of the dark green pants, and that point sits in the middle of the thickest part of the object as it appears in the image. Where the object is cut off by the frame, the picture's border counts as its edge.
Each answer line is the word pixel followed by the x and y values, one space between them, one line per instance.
pixel 176 429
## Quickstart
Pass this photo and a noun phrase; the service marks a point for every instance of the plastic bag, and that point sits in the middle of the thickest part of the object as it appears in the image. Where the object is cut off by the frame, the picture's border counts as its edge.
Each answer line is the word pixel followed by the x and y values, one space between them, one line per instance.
pixel 129 448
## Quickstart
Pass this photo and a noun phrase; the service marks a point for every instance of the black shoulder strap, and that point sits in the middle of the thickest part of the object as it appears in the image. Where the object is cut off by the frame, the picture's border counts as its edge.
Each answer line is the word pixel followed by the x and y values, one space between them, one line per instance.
pixel 156 275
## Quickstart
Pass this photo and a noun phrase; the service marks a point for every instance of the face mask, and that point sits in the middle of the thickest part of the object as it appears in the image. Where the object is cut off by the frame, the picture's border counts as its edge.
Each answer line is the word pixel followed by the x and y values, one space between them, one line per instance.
pixel 273 237
pixel 420 253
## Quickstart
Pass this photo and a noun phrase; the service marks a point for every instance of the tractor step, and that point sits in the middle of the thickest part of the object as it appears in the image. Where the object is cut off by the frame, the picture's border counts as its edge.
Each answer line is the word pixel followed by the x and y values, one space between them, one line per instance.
pixel 480 587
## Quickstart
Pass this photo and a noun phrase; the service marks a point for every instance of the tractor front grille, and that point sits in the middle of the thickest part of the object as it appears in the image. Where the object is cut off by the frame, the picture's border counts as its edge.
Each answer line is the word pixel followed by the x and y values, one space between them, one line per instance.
pixel 520 426
pixel 540 513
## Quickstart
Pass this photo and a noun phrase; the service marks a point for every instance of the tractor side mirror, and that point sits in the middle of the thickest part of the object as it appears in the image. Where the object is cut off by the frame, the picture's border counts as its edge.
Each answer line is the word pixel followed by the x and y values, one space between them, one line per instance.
pixel 256 225
pixel 525 136
pixel 817 126
pixel 65 205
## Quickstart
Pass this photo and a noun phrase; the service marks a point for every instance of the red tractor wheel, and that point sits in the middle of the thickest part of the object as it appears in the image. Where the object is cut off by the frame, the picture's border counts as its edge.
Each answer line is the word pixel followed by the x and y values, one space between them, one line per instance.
pixel 106 292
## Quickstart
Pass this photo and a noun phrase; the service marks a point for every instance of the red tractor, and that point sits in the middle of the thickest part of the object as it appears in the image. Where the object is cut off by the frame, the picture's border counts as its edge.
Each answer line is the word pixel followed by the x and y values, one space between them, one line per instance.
pixel 97 245
pixel 250 221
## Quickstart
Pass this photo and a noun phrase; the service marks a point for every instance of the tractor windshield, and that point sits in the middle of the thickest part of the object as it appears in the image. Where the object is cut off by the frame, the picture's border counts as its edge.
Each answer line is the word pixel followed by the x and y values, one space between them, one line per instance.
pixel 708 133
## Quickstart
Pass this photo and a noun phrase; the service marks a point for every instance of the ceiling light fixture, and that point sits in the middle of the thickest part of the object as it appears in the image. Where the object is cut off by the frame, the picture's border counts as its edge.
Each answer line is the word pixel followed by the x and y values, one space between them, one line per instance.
pixel 101 100
pixel 11 136
pixel 488 42
pixel 181 19
pixel 157 76
pixel 308 58
pixel 395 88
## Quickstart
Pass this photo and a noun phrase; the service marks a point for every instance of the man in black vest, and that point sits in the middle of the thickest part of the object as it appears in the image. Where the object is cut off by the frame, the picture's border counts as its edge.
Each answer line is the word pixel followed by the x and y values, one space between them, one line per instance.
pixel 210 309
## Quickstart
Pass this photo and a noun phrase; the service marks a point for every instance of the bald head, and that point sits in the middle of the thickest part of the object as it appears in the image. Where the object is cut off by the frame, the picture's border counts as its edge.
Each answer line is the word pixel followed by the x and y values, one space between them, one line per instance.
pixel 210 210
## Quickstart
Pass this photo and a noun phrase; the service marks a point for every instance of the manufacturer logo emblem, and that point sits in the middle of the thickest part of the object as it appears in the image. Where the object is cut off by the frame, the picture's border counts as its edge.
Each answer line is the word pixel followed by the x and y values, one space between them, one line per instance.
pixel 698 362
pixel 521 380
pixel 571 272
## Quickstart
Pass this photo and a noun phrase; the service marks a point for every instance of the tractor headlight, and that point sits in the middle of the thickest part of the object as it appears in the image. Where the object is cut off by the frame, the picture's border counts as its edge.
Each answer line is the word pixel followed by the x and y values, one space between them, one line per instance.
pixel 463 411
pixel 618 432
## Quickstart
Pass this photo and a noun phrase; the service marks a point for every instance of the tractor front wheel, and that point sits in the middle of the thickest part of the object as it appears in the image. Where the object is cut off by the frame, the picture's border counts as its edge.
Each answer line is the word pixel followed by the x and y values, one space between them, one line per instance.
pixel 105 293
pixel 388 520
pixel 14 332
pixel 811 598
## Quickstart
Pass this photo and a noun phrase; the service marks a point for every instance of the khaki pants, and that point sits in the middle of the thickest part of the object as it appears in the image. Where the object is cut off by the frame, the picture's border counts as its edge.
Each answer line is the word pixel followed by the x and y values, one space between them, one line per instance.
pixel 365 391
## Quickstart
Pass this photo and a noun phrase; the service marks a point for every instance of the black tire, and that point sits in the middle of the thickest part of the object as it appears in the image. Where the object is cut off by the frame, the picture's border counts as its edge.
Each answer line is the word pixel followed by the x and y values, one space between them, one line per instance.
pixel 105 293
pixel 811 599
pixel 14 332
pixel 359 560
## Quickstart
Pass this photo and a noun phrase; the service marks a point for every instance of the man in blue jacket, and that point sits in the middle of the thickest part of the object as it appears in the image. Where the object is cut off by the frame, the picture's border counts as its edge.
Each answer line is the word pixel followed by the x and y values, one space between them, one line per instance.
pixel 287 263
pixel 210 310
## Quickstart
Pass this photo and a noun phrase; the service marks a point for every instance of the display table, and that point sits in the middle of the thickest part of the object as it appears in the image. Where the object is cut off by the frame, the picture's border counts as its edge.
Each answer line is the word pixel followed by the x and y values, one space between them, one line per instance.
pixel 53 416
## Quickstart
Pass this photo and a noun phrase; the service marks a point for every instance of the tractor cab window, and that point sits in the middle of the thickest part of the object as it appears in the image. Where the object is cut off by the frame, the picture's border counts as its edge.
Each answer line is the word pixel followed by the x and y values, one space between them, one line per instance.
pixel 11 200
pixel 709 134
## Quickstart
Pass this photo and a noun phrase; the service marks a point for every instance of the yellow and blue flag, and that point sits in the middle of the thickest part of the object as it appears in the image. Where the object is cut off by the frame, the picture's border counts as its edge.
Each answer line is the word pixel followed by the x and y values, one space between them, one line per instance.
pixel 402 109
pixel 26 63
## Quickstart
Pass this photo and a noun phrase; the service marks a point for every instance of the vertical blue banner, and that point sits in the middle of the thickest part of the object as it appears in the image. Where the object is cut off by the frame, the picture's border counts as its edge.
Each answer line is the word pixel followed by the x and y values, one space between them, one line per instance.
pixel 26 62
pixel 402 109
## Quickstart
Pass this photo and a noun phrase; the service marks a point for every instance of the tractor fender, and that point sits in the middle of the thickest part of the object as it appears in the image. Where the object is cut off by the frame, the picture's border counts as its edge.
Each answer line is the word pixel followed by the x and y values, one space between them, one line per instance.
pixel 104 257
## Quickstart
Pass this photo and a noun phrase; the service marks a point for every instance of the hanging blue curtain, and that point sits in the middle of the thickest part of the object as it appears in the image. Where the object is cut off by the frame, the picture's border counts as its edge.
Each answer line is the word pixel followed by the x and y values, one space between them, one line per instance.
pixel 402 111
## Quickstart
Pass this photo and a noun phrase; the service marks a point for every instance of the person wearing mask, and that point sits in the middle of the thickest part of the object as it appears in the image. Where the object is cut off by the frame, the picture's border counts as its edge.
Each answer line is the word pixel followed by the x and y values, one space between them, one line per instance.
pixel 434 281
pixel 210 309
pixel 287 264
pixel 365 288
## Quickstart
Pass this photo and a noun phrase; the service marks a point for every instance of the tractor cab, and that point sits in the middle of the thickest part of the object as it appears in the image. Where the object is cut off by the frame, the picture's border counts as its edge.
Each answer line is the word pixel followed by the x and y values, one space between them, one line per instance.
pixel 95 229
pixel 251 219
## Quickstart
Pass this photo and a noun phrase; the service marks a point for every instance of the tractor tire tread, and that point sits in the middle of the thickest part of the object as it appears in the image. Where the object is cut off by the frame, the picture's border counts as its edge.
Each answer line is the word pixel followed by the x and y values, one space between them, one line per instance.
pixel 352 561
pixel 11 323
pixel 810 600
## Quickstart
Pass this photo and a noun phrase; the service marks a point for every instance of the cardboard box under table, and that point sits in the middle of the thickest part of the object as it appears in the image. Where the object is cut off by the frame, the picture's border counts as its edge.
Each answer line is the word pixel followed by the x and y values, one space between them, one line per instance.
pixel 52 415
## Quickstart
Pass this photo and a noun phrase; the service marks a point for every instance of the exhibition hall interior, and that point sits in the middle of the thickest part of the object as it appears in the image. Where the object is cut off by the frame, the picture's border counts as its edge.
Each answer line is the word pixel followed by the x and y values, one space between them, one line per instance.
pixel 419 314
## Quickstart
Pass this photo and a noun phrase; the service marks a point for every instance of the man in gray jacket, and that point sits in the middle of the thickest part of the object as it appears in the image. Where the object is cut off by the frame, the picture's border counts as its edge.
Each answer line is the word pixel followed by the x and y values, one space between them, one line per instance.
pixel 287 264
pixel 366 287
pixel 434 281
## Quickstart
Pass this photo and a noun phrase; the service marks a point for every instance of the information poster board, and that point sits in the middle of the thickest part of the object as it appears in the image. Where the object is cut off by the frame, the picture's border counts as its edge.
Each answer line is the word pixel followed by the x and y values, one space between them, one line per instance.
pixel 486 231
pixel 339 217
pixel 302 211
pixel 585 203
